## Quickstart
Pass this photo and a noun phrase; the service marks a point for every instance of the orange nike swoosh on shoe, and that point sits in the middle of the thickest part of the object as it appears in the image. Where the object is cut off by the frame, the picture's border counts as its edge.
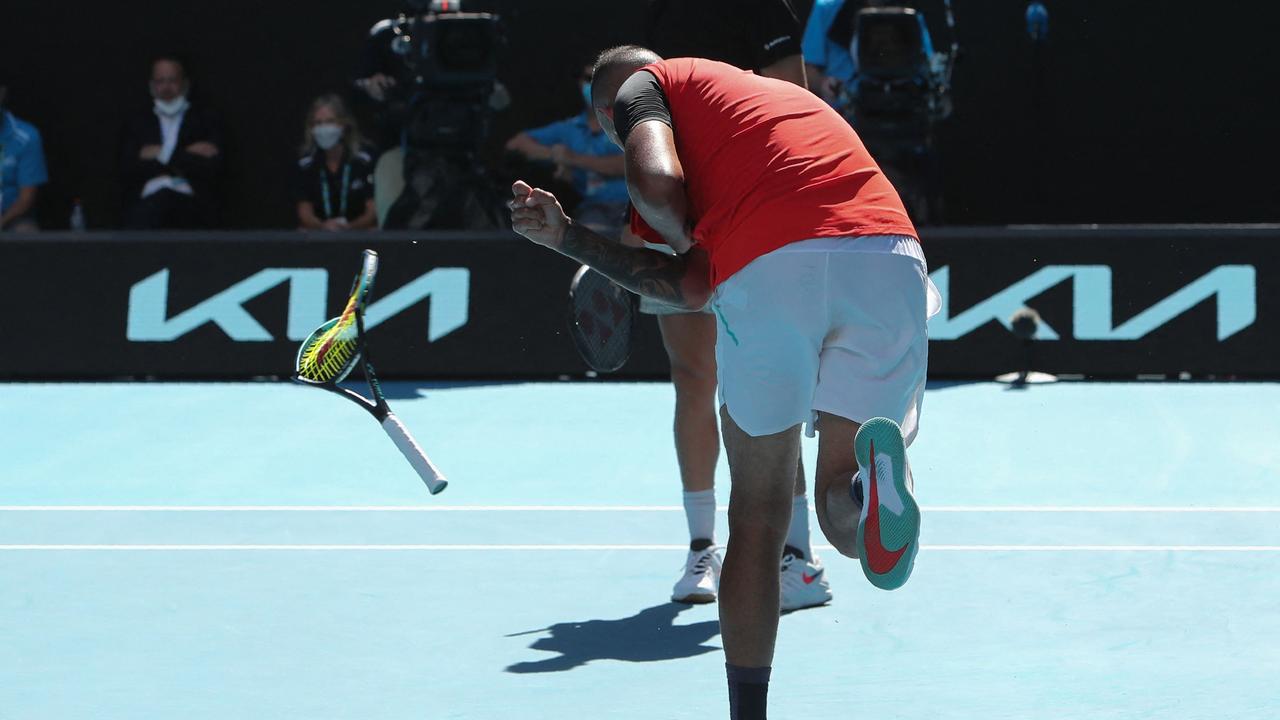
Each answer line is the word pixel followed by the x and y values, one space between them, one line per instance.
pixel 808 579
pixel 880 559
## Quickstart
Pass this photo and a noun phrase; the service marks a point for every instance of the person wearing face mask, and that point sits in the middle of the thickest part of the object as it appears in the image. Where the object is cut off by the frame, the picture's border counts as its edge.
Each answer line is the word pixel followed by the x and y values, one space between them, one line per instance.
pixel 334 183
pixel 584 157
pixel 170 157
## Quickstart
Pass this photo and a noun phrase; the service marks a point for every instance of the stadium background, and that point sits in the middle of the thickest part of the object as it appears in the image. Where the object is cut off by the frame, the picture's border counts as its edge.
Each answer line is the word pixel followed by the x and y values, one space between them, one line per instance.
pixel 1153 113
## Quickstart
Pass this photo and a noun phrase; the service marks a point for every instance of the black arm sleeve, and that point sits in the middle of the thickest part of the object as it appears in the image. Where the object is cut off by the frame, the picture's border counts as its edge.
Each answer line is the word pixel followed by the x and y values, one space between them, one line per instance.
pixel 776 31
pixel 640 98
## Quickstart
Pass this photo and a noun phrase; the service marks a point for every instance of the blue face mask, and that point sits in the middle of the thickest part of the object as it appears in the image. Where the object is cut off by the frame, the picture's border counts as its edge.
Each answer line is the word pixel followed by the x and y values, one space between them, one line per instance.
pixel 586 94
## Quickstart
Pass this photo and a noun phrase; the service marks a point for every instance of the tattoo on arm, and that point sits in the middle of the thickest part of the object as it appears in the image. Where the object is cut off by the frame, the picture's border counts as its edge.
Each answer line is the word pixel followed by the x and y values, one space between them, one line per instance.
pixel 639 270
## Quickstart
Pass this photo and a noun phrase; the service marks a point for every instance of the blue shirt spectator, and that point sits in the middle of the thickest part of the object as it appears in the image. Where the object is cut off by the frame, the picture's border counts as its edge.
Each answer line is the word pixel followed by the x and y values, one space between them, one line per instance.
pixel 583 156
pixel 582 135
pixel 22 168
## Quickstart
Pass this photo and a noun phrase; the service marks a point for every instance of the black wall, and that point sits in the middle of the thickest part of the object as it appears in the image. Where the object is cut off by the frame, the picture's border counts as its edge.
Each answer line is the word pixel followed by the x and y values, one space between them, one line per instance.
pixel 1145 112
pixel 1115 302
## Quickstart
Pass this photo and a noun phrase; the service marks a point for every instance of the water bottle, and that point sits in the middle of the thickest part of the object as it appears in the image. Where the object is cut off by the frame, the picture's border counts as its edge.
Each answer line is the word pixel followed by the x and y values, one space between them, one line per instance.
pixel 77 217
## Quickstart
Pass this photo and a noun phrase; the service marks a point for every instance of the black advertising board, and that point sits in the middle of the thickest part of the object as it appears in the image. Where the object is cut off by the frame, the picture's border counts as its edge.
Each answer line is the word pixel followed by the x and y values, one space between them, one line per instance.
pixel 1115 302
pixel 238 305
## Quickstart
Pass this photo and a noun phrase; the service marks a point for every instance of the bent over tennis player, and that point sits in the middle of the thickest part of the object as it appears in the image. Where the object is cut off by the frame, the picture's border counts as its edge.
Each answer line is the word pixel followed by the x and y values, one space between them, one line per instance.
pixel 788 228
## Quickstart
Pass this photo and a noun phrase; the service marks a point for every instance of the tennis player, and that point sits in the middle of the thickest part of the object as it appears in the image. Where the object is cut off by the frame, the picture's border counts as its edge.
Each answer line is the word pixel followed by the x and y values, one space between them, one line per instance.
pixel 762 36
pixel 783 222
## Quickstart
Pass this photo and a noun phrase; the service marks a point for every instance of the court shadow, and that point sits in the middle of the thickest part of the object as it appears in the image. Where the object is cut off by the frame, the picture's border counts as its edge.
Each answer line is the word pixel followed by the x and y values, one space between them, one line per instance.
pixel 650 635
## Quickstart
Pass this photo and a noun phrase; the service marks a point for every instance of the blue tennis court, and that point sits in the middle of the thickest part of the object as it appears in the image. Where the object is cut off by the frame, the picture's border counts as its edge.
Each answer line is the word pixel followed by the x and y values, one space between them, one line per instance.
pixel 262 551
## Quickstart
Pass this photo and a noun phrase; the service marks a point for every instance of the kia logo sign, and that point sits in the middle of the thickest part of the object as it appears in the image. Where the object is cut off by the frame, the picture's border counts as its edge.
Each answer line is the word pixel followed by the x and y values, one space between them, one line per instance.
pixel 1234 287
pixel 149 319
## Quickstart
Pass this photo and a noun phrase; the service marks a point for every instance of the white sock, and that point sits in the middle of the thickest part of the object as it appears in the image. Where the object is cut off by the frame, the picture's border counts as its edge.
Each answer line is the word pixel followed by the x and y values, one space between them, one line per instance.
pixel 798 535
pixel 700 513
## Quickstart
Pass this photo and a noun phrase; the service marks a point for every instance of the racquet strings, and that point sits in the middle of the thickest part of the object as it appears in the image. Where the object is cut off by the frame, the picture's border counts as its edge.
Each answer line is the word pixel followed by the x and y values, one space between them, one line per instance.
pixel 333 350
pixel 602 315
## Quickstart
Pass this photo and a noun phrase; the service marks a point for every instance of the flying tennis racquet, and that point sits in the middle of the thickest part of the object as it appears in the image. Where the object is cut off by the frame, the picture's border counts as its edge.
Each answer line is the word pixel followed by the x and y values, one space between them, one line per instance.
pixel 602 317
pixel 330 353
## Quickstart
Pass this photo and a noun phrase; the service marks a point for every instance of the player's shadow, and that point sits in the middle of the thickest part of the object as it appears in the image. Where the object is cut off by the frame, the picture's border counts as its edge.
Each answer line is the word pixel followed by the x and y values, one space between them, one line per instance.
pixel 648 636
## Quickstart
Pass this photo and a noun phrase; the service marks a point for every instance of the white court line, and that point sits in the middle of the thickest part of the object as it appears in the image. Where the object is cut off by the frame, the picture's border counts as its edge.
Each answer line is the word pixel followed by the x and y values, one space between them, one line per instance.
pixel 561 548
pixel 612 508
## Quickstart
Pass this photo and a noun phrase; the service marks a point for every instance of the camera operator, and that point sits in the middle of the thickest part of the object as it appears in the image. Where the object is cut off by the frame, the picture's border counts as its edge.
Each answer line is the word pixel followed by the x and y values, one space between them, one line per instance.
pixel 830 45
pixel 433 114
pixel 379 73
pixel 829 65
pixel 875 62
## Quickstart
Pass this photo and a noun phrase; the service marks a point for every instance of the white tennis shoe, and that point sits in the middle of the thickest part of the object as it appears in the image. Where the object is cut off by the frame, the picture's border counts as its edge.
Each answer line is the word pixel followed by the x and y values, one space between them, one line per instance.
pixel 804 581
pixel 701 577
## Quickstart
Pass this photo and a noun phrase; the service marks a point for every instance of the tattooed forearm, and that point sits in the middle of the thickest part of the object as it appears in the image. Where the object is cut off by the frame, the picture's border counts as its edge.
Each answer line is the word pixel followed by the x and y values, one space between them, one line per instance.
pixel 670 279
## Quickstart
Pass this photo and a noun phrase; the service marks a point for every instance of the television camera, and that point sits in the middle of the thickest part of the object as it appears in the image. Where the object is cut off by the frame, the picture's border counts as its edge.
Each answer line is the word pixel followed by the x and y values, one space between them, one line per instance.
pixel 445 96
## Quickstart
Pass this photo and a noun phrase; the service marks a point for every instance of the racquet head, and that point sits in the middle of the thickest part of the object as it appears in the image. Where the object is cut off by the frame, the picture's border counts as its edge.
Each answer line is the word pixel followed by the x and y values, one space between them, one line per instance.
pixel 332 351
pixel 601 319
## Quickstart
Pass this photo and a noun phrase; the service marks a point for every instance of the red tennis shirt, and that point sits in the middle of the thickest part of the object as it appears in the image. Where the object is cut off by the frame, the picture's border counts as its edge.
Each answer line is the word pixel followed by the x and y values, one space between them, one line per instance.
pixel 766 164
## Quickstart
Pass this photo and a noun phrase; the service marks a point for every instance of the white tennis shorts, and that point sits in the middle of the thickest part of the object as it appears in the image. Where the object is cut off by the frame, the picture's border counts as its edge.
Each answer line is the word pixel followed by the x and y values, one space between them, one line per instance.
pixel 836 325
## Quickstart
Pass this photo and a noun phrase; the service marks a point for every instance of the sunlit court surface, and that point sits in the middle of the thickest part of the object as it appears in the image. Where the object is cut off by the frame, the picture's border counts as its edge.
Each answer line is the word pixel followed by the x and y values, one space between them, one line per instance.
pixel 1089 550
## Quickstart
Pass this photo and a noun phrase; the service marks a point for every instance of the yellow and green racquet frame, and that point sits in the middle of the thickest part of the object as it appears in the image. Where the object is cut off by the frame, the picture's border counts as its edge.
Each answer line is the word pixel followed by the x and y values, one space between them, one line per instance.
pixel 335 348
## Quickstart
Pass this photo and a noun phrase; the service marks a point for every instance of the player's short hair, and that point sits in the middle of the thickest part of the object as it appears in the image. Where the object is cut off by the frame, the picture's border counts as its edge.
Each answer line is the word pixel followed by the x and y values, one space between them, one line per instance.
pixel 621 59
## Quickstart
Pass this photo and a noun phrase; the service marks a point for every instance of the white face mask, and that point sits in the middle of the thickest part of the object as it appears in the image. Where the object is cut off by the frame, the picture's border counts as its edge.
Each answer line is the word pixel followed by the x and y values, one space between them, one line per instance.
pixel 171 107
pixel 326 135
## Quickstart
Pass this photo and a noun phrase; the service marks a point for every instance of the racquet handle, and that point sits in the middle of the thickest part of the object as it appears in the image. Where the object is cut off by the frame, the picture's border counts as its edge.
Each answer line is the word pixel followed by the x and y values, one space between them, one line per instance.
pixel 414 454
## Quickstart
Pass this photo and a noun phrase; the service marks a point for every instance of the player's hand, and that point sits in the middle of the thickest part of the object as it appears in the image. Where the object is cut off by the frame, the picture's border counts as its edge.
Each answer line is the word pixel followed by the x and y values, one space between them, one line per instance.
pixel 150 152
pixel 537 215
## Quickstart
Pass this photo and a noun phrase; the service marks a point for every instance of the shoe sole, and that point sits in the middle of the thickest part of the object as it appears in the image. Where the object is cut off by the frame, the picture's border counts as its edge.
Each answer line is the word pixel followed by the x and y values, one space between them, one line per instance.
pixel 897 531
pixel 696 599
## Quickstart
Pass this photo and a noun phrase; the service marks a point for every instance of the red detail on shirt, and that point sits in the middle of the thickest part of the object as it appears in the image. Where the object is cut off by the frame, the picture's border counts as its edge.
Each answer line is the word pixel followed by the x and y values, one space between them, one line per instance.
pixel 766 164
pixel 641 229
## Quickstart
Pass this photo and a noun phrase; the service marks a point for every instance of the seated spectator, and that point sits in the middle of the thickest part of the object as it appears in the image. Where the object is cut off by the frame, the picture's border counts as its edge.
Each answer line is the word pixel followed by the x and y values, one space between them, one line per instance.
pixel 334 183
pixel 171 157
pixel 585 156
pixel 22 169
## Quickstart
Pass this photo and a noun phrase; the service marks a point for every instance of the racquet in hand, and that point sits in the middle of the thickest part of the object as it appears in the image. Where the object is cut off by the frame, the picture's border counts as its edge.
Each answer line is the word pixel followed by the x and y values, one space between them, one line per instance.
pixel 333 351
pixel 602 317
